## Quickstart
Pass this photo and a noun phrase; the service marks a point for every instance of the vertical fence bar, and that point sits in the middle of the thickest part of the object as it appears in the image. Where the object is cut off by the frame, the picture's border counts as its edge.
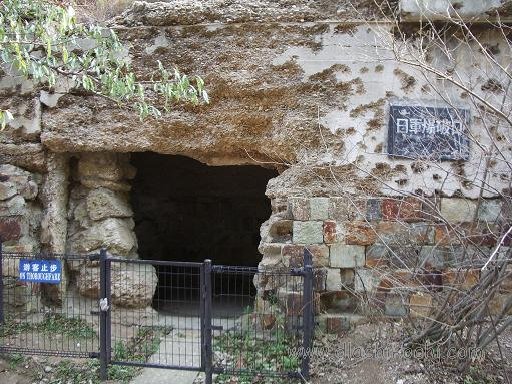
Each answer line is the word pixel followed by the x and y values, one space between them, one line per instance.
pixel 202 297
pixel 103 315
pixel 307 316
pixel 207 297
pixel 108 313
pixel 2 318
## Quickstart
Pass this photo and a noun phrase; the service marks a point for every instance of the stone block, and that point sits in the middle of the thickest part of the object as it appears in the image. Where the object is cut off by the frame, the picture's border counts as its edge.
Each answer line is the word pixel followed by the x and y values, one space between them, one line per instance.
pixel 329 232
pixel 341 301
pixel 420 304
pixel 360 233
pixel 15 206
pixel 29 190
pixel 347 208
pixel 300 208
pixel 114 234
pixel 281 206
pixel 432 257
pixel 133 285
pixel 462 279
pixel 333 279
pixel 281 231
pixel 481 235
pixel 377 255
pixel 455 210
pixel 347 278
pixel 102 165
pixel 339 323
pixel 506 285
pixel 319 280
pixel 18 297
pixel 396 306
pixel 7 190
pixel 10 228
pixel 19 248
pixel 498 304
pixel 490 210
pixel 373 209
pixel 319 208
pixel 295 255
pixel 366 280
pixel 308 232
pixel 408 209
pixel 294 303
pixel 103 203
pixel 270 249
pixel 390 232
pixel 399 279
pixel 347 256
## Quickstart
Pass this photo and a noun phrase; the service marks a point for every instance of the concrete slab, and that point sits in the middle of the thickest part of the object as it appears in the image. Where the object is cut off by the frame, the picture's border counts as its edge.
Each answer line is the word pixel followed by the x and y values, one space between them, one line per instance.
pixel 180 347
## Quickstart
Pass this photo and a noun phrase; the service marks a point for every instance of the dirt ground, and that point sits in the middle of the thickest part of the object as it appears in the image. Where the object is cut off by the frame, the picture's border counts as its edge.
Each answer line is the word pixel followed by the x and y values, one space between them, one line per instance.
pixel 370 354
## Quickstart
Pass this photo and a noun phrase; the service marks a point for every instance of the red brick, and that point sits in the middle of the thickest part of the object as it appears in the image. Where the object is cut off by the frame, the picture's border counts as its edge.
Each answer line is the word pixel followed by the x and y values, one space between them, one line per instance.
pixel 483 235
pixel 360 233
pixel 329 232
pixel 462 279
pixel 408 209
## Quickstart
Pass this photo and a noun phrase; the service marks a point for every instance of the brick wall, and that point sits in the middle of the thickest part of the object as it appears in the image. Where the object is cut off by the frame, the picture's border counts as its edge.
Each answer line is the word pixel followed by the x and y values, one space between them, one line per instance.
pixel 386 256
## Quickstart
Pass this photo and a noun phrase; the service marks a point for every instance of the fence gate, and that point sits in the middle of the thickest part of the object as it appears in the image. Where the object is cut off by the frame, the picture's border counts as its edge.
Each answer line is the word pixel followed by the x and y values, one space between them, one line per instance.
pixel 221 320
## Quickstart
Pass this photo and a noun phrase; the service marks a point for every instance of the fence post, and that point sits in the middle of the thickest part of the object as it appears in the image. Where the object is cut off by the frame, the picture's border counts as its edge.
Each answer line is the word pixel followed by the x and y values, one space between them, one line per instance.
pixel 2 317
pixel 207 297
pixel 104 304
pixel 108 313
pixel 308 314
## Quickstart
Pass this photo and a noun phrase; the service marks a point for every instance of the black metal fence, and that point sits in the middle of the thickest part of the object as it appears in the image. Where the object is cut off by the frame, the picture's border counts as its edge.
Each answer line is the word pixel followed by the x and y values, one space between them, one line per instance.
pixel 221 320
pixel 45 319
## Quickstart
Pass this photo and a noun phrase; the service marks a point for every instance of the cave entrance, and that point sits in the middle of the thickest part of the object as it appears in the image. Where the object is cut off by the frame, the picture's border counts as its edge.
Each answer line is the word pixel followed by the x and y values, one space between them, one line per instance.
pixel 187 211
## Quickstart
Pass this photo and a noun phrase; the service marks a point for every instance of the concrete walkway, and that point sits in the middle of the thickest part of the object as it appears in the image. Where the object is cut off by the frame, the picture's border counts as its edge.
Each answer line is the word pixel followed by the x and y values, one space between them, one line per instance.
pixel 181 348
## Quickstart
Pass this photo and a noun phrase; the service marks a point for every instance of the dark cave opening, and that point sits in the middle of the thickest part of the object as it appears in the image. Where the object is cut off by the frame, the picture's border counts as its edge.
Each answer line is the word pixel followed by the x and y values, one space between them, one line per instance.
pixel 187 211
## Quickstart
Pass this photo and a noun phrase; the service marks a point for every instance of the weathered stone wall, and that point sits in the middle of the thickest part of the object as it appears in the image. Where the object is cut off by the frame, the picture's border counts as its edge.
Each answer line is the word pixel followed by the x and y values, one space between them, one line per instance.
pixel 100 217
pixel 20 227
pixel 301 86
pixel 383 256
pixel 20 209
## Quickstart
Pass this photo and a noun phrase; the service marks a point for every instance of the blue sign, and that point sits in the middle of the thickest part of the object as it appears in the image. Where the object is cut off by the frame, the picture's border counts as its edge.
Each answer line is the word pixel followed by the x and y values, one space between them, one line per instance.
pixel 40 271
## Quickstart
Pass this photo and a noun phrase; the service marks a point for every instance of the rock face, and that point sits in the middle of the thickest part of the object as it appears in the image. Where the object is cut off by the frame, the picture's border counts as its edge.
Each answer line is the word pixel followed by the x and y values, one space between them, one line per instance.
pixel 291 87
pixel 20 226
pixel 133 285
pixel 99 210
pixel 103 203
pixel 20 210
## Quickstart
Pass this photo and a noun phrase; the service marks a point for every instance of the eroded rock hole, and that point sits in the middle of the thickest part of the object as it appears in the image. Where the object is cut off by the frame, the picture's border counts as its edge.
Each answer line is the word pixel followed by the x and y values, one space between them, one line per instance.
pixel 187 211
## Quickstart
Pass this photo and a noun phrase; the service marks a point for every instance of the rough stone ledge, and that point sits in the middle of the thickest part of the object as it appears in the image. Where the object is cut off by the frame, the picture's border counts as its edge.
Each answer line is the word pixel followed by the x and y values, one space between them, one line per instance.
pixel 187 12
pixel 31 157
